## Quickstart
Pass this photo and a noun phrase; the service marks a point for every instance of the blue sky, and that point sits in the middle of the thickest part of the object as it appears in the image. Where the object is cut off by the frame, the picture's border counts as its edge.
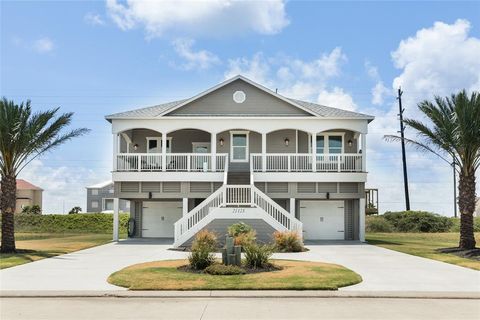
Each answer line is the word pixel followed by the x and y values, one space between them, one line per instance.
pixel 95 58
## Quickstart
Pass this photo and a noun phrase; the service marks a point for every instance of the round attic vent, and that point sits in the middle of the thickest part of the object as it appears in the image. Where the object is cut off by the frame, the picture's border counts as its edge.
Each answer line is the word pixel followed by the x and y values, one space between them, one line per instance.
pixel 239 96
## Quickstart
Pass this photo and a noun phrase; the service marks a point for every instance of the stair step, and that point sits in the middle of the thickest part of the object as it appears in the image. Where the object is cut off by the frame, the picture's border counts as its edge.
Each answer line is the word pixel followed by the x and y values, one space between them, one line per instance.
pixel 240 177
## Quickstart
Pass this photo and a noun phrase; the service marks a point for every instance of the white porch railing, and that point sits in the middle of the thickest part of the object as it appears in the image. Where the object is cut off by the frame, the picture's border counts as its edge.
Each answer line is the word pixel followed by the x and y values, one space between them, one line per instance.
pixel 190 162
pixel 234 195
pixel 302 162
pixel 139 162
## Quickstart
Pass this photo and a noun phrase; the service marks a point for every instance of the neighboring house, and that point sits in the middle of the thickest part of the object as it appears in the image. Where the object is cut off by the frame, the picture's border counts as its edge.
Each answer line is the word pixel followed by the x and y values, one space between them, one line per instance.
pixel 240 151
pixel 27 195
pixel 476 213
pixel 100 198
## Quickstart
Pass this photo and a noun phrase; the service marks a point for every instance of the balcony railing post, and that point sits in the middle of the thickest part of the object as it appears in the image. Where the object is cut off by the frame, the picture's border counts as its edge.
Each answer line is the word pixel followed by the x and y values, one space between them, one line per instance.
pixel 339 163
pixel 314 151
pixel 188 162
pixel 139 161
pixel 289 165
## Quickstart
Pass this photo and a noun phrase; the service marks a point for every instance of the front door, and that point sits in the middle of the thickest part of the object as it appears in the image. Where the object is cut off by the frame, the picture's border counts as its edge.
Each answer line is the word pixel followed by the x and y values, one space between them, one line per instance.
pixel 239 146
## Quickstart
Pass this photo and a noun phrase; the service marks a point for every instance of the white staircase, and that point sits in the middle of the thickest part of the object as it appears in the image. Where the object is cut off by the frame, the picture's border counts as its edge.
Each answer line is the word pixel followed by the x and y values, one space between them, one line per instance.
pixel 235 202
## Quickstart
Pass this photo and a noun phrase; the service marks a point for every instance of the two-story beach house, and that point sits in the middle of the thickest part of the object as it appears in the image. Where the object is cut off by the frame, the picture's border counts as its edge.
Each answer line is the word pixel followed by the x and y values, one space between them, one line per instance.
pixel 241 152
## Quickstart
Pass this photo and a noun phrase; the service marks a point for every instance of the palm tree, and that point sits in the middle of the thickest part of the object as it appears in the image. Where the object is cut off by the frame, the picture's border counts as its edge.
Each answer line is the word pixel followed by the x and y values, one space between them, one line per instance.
pixel 454 131
pixel 23 137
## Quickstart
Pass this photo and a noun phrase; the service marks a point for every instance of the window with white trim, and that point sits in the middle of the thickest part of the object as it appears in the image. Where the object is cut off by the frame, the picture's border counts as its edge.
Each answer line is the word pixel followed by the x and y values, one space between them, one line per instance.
pixel 330 143
pixel 94 204
pixel 154 144
pixel 94 192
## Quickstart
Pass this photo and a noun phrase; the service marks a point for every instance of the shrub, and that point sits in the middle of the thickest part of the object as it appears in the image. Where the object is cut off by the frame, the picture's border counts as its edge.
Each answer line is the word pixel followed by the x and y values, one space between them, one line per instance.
pixel 35 209
pixel 256 256
pixel 378 224
pixel 243 233
pixel 75 223
pixel 205 238
pixel 287 241
pixel 203 247
pixel 418 221
pixel 238 228
pixel 246 239
pixel 223 270
pixel 456 224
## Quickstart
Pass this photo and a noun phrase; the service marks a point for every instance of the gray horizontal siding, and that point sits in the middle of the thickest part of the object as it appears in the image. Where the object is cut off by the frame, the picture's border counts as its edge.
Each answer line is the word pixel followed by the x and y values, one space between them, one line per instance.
pixel 220 102
pixel 220 227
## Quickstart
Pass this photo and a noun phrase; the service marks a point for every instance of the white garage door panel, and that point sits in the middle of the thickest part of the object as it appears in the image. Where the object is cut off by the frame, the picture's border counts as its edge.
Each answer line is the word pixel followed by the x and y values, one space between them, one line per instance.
pixel 158 218
pixel 323 220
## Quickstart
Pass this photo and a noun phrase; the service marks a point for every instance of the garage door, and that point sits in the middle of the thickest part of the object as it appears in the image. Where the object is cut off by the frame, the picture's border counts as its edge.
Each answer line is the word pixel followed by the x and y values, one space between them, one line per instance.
pixel 158 218
pixel 322 220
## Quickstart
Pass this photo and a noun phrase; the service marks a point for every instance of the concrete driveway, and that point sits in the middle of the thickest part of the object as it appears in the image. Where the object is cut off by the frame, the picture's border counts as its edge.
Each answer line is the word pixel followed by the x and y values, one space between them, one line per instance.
pixel 381 269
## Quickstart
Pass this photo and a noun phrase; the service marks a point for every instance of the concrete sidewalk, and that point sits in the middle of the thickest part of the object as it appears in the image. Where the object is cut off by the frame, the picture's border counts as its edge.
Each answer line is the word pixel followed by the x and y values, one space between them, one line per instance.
pixel 242 294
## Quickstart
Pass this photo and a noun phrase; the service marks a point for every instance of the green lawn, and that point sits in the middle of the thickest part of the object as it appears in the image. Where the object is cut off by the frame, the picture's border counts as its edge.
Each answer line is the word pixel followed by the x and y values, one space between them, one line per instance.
pixel 424 245
pixel 36 246
pixel 295 275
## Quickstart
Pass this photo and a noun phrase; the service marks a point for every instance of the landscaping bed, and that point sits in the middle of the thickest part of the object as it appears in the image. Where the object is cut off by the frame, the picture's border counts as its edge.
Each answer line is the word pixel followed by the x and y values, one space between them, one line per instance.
pixel 293 275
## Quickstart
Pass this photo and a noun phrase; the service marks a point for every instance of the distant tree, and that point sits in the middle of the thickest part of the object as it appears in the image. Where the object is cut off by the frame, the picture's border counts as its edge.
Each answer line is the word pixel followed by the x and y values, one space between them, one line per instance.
pixel 454 131
pixel 75 210
pixel 35 209
pixel 23 137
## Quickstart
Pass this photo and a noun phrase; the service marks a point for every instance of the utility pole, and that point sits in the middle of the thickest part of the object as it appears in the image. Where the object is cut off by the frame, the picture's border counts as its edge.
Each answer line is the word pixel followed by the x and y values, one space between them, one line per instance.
pixel 404 159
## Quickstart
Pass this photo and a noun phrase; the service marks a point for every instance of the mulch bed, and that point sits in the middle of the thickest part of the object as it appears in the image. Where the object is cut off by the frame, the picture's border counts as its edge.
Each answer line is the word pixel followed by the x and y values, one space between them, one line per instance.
pixel 472 254
pixel 269 268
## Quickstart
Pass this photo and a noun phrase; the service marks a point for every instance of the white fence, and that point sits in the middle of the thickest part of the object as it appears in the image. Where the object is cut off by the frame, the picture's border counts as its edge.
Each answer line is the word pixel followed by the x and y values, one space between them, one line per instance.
pixel 190 162
pixel 302 162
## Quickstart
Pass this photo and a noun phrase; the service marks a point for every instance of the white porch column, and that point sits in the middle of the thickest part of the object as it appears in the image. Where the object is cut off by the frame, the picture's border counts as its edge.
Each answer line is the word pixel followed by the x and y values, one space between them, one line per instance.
pixel 314 151
pixel 115 151
pixel 264 152
pixel 116 206
pixel 184 206
pixel 213 147
pixel 164 151
pixel 364 152
pixel 361 224
pixel 292 206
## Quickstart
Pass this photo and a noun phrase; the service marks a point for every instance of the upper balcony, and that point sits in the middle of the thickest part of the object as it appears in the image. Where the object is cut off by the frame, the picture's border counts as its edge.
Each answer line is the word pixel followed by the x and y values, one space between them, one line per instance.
pixel 282 155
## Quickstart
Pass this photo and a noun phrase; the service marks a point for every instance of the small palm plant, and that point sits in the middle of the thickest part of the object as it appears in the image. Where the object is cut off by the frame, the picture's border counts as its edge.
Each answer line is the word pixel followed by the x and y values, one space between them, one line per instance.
pixel 454 131
pixel 23 137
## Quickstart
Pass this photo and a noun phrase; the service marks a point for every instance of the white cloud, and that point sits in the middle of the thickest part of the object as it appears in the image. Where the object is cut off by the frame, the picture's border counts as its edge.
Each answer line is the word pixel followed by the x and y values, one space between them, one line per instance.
pixel 337 98
pixel 207 18
pixel 435 61
pixel 200 59
pixel 43 45
pixel 379 91
pixel 93 19
pixel 297 78
pixel 63 186
pixel 438 60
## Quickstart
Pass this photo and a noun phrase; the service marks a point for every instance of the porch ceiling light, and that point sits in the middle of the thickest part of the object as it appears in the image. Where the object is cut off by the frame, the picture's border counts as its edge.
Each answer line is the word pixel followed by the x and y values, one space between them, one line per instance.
pixel 350 143
pixel 287 141
pixel 221 141
pixel 135 146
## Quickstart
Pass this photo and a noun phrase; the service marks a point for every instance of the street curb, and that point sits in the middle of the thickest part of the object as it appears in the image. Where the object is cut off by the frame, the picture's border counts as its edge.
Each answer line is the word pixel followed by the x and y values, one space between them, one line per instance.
pixel 242 294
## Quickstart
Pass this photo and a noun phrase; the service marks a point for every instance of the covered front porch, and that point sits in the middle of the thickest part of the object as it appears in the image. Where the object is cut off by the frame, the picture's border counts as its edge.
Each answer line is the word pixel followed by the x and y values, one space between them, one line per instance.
pixel 195 150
